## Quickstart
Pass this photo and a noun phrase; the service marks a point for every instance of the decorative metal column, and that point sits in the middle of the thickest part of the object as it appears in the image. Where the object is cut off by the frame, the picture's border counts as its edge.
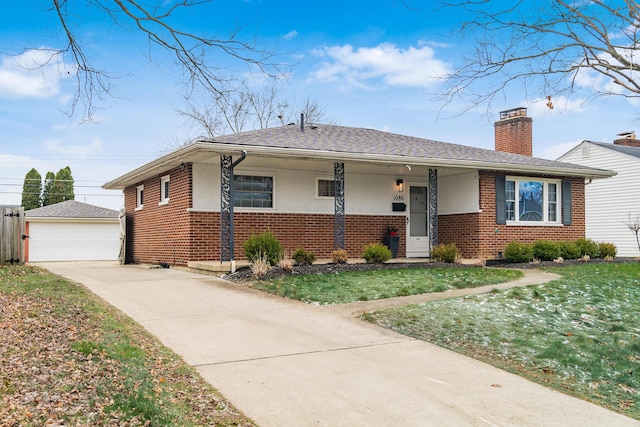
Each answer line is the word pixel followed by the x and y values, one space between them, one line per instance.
pixel 339 217
pixel 433 207
pixel 226 209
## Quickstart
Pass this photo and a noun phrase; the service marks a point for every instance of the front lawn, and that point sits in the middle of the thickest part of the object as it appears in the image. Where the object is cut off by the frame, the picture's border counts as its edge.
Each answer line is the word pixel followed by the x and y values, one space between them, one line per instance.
pixel 579 334
pixel 68 358
pixel 351 286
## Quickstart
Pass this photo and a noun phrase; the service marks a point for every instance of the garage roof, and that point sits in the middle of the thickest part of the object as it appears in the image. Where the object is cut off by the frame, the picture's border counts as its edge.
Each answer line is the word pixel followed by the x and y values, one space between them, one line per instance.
pixel 71 209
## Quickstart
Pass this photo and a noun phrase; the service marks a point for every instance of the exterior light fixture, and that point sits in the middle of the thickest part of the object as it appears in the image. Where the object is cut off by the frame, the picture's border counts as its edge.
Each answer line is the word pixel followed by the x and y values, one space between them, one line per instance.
pixel 400 185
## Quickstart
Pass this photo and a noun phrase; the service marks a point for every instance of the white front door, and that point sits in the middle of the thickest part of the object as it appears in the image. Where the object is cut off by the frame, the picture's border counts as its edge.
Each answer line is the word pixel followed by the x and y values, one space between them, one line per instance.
pixel 418 222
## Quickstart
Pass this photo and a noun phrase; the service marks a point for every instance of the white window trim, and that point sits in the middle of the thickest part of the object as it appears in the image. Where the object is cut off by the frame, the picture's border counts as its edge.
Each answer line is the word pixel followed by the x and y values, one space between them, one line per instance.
pixel 545 205
pixel 163 197
pixel 139 206
pixel 317 182
pixel 274 178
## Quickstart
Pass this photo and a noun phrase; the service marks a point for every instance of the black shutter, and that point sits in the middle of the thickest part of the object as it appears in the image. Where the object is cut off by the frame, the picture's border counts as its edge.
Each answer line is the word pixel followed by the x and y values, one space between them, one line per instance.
pixel 501 204
pixel 566 202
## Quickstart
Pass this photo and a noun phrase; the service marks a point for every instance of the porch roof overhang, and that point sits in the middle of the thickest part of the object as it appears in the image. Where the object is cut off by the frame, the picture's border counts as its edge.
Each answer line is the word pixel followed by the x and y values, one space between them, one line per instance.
pixel 395 150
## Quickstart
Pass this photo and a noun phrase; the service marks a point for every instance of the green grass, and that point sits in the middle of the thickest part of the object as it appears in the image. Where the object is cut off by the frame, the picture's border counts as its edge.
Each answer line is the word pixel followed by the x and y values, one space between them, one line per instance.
pixel 345 287
pixel 579 334
pixel 89 364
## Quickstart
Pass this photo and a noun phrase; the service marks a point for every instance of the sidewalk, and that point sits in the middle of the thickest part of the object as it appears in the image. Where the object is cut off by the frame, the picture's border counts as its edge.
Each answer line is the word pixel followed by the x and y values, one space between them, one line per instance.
pixel 286 363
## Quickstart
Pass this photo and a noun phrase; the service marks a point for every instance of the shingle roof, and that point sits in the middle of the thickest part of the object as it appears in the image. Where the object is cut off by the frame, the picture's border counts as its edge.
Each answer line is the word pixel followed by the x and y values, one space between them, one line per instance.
pixel 631 151
pixel 341 139
pixel 341 143
pixel 71 209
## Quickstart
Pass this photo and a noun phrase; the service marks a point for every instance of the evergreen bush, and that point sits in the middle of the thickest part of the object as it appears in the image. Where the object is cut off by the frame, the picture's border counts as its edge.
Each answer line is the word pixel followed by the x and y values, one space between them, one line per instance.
pixel 375 253
pixel 607 250
pixel 587 247
pixel 546 250
pixel 263 245
pixel 446 252
pixel 569 250
pixel 518 252
pixel 302 257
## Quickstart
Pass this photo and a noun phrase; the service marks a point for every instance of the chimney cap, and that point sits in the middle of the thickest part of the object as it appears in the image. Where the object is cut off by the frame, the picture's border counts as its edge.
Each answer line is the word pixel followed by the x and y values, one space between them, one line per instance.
pixel 514 112
pixel 628 134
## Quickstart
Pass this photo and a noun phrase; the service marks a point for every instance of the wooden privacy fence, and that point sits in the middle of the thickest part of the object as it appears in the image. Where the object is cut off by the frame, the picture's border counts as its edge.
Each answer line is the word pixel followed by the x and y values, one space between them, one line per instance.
pixel 11 235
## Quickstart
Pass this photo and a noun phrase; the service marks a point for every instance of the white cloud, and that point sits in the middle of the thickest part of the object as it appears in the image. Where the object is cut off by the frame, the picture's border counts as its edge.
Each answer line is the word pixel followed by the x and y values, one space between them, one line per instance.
pixel 365 67
pixel 290 35
pixel 35 73
pixel 78 150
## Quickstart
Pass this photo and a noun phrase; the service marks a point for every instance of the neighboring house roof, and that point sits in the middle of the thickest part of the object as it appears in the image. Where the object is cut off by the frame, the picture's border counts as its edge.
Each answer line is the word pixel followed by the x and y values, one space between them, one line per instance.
pixel 72 209
pixel 631 151
pixel 340 143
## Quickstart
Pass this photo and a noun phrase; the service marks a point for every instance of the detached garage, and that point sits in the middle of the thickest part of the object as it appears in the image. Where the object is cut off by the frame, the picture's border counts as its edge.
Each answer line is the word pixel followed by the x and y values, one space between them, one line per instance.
pixel 72 231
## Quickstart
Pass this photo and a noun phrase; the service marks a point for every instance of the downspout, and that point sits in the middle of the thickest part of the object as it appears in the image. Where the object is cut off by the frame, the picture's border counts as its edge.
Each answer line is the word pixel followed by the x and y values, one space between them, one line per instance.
pixel 231 232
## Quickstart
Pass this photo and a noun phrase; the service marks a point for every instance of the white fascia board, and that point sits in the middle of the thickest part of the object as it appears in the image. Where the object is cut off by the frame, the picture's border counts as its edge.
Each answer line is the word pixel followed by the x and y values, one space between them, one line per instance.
pixel 187 153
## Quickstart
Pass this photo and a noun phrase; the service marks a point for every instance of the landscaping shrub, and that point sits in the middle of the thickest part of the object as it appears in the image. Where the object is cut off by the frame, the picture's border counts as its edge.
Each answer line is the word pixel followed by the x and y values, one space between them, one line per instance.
pixel 545 250
pixel 339 256
pixel 286 263
pixel 263 245
pixel 587 247
pixel 376 253
pixel 607 250
pixel 446 253
pixel 569 250
pixel 260 266
pixel 302 257
pixel 518 252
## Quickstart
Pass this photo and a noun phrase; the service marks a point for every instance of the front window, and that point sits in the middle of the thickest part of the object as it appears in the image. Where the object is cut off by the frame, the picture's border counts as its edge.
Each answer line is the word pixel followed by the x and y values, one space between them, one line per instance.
pixel 532 200
pixel 326 188
pixel 252 191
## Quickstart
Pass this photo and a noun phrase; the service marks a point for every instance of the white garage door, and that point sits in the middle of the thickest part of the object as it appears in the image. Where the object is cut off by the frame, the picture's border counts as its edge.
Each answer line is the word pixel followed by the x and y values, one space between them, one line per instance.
pixel 78 241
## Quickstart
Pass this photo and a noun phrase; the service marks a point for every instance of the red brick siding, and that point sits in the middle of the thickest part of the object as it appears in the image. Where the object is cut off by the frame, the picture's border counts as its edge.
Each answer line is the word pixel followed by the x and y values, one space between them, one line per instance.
pixel 171 234
pixel 478 236
pixel 313 232
pixel 160 233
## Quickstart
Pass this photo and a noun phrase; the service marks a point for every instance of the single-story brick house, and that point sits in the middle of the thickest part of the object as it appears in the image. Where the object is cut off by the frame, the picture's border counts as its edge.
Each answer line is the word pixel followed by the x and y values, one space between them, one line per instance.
pixel 323 187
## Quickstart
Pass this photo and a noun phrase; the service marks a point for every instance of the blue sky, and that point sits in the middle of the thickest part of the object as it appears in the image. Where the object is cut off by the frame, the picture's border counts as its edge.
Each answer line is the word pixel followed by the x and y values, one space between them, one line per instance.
pixel 376 66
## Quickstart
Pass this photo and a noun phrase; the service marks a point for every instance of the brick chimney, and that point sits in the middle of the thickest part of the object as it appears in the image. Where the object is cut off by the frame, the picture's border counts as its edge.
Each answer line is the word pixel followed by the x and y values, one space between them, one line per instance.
pixel 514 132
pixel 627 139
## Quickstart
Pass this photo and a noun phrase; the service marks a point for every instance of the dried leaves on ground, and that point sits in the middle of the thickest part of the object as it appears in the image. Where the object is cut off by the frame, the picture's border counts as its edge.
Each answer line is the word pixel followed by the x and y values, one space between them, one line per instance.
pixel 68 359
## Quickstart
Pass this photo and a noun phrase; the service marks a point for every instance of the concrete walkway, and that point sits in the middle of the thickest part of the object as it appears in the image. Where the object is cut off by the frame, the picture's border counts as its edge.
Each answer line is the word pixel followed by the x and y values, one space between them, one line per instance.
pixel 286 363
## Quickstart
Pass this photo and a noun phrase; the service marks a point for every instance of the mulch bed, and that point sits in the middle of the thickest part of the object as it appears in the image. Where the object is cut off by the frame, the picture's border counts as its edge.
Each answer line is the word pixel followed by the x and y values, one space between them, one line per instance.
pixel 244 274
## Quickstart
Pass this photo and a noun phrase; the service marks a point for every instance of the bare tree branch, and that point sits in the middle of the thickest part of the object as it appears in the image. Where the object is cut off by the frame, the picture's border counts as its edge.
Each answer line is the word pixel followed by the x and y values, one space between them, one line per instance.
pixel 554 48
pixel 245 108
pixel 198 55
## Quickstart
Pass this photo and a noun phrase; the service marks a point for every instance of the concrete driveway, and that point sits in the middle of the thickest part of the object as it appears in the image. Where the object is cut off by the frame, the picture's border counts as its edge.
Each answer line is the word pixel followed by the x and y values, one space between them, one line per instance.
pixel 286 363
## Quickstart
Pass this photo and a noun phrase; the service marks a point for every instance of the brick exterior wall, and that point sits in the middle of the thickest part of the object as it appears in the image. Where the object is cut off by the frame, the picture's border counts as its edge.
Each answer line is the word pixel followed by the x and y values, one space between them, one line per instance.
pixel 173 235
pixel 313 232
pixel 160 233
pixel 478 236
